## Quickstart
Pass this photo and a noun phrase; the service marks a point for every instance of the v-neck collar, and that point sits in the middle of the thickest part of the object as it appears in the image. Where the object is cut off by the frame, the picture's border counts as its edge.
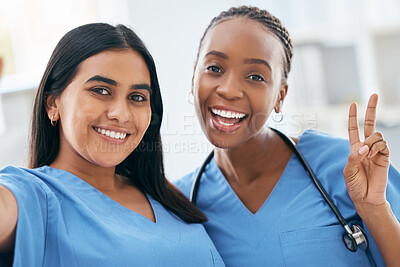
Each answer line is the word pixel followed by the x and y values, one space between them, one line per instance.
pixel 215 169
pixel 225 201
pixel 167 225
pixel 71 180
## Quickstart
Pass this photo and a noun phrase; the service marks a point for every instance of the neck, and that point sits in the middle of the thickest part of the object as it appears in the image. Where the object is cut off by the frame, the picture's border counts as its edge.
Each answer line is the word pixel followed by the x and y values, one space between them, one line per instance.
pixel 102 178
pixel 247 162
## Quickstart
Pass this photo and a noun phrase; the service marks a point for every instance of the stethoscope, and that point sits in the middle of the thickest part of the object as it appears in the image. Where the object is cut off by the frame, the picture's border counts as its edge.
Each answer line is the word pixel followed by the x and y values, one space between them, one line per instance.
pixel 354 237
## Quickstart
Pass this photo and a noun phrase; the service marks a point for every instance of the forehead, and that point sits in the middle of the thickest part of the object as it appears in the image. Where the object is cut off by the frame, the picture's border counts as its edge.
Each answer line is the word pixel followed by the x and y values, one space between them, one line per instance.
pixel 243 37
pixel 122 64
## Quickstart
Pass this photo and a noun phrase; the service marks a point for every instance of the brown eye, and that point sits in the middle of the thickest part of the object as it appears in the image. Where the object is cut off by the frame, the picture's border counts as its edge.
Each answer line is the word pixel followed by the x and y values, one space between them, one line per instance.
pixel 256 78
pixel 214 69
pixel 101 91
pixel 137 98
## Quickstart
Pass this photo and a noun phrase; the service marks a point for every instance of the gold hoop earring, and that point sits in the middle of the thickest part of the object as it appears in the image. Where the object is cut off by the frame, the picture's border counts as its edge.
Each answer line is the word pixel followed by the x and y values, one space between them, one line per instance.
pixel 53 123
pixel 190 98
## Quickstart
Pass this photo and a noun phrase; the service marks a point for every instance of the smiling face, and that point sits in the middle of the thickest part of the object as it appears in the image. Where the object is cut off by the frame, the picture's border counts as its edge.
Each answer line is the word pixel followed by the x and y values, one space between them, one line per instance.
pixel 105 111
pixel 237 81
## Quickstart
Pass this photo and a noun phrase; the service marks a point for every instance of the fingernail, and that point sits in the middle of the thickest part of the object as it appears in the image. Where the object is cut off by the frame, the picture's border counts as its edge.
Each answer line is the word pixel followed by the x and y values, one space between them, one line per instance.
pixel 363 149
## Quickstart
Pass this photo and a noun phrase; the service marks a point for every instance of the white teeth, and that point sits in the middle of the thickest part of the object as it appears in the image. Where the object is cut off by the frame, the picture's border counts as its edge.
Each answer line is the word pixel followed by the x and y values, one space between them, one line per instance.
pixel 228 114
pixel 226 124
pixel 112 134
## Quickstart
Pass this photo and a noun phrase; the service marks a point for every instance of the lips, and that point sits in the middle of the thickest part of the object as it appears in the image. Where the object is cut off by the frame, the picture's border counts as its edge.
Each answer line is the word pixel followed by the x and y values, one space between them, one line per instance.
pixel 112 135
pixel 226 120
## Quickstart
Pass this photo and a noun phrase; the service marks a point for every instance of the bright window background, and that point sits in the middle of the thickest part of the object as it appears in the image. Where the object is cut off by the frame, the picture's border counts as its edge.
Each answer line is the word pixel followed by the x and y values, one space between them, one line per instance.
pixel 344 51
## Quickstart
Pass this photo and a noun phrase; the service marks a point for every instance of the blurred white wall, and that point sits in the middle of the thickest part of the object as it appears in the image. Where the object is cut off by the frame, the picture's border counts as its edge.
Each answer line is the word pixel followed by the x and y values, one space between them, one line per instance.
pixel 344 50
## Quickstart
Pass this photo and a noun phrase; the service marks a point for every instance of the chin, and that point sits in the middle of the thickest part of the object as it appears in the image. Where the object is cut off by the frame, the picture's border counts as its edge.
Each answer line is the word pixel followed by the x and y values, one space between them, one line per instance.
pixel 107 162
pixel 223 143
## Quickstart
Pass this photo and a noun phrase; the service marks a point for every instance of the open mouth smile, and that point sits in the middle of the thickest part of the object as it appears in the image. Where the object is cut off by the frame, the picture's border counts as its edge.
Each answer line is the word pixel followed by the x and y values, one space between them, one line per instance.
pixel 226 120
pixel 111 134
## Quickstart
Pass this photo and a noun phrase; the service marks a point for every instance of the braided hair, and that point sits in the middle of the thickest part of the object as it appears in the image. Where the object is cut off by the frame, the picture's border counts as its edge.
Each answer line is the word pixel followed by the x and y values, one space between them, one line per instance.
pixel 267 20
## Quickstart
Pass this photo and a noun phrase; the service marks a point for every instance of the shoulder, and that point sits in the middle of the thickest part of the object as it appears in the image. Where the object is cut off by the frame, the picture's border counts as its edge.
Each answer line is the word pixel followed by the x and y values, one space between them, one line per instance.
pixel 323 147
pixel 312 138
pixel 22 174
pixel 11 170
pixel 33 197
pixel 327 156
pixel 393 190
pixel 185 183
pixel 24 182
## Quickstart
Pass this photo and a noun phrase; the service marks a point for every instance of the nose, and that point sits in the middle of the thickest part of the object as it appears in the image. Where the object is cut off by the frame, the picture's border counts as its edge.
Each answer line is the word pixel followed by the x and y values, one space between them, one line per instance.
pixel 119 110
pixel 230 88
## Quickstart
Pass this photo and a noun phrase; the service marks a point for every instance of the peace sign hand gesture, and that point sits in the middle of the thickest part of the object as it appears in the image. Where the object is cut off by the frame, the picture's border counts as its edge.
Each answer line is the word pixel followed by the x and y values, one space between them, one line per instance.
pixel 366 171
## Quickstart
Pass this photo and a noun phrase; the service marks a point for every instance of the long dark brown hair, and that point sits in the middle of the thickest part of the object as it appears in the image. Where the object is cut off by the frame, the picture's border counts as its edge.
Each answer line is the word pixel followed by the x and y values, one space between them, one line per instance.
pixel 144 166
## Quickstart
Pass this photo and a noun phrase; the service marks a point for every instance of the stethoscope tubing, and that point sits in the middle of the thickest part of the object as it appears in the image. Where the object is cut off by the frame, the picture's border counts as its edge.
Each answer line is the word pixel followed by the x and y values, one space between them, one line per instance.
pixel 304 163
pixel 358 233
pixel 195 186
pixel 314 178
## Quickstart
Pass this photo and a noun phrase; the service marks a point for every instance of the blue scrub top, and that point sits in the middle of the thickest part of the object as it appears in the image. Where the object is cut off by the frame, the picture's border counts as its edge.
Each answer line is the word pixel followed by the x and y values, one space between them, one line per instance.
pixel 295 226
pixel 64 221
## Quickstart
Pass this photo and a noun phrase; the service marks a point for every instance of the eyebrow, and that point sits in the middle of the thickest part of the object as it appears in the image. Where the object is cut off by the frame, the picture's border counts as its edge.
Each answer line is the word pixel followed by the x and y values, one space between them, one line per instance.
pixel 218 54
pixel 257 61
pixel 144 86
pixel 109 81
pixel 99 78
pixel 246 60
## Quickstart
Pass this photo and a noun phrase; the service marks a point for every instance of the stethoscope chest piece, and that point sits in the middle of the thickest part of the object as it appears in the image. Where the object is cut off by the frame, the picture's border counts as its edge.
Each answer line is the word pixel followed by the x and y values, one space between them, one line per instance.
pixel 355 239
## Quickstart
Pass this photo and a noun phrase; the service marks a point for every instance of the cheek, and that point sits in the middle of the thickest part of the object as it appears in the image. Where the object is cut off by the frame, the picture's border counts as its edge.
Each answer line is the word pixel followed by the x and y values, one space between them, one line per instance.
pixel 77 114
pixel 207 82
pixel 142 119
pixel 202 90
pixel 199 107
pixel 79 117
pixel 262 108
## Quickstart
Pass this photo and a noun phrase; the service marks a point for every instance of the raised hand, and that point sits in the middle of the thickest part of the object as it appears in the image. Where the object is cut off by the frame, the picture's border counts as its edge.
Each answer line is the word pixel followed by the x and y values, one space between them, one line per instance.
pixel 366 171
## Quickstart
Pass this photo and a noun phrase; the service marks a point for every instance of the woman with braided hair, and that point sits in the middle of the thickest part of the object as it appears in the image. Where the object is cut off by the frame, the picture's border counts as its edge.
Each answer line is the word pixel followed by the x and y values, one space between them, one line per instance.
pixel 262 207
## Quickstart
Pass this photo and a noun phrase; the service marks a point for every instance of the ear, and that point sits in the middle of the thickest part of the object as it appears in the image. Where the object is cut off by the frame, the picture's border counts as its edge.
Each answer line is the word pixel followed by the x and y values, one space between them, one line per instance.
pixel 194 72
pixel 281 97
pixel 51 107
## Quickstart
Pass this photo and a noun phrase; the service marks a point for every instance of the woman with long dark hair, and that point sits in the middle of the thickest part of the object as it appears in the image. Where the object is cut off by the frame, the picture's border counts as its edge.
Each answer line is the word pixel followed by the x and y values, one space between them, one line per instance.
pixel 95 193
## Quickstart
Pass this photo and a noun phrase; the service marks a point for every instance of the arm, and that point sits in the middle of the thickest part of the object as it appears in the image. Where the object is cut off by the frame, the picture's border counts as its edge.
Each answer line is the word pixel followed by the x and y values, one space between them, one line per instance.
pixel 384 228
pixel 366 177
pixel 8 219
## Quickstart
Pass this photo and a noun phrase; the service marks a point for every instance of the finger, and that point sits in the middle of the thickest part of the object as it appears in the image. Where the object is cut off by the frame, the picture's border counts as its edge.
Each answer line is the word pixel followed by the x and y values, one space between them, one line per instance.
pixel 354 161
pixel 370 116
pixel 377 144
pixel 353 125
pixel 371 140
pixel 380 147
